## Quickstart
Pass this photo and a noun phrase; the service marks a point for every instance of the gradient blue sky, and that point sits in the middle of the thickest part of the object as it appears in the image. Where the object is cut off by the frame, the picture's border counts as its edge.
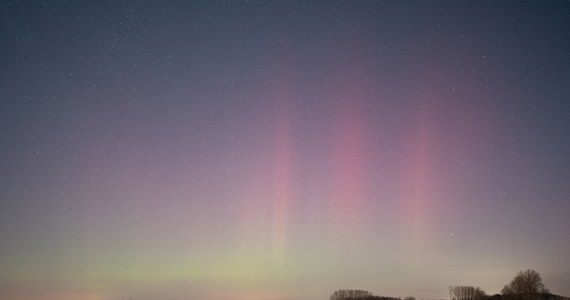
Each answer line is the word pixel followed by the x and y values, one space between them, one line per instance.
pixel 282 150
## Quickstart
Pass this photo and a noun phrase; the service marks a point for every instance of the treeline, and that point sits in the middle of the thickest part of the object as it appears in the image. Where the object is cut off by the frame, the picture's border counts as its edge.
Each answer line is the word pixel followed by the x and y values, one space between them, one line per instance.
pixel 526 285
pixel 475 293
pixel 365 295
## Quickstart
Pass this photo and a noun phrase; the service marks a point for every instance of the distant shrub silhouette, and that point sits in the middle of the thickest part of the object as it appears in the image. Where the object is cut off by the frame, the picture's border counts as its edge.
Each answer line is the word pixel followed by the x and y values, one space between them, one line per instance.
pixel 350 294
pixel 381 298
pixel 493 297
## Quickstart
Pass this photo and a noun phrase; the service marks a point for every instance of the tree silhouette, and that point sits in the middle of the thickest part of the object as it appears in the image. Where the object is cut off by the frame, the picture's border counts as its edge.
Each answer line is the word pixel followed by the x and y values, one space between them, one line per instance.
pixel 527 285
pixel 466 293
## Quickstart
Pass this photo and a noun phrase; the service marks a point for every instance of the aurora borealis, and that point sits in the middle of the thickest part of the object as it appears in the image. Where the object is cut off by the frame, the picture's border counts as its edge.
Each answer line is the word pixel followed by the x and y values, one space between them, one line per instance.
pixel 282 150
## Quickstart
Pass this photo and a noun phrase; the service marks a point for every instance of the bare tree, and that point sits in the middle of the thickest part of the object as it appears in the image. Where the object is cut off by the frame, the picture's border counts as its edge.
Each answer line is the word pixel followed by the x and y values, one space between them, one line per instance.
pixel 465 293
pixel 507 293
pixel 409 298
pixel 527 285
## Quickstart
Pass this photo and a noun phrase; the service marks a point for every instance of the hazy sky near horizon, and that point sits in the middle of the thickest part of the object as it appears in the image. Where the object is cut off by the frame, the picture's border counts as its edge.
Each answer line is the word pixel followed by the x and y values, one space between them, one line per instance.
pixel 282 150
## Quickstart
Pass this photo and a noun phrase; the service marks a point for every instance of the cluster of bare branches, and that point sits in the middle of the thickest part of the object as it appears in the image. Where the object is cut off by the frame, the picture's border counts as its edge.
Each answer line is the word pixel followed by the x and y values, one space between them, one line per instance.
pixel 466 293
pixel 527 285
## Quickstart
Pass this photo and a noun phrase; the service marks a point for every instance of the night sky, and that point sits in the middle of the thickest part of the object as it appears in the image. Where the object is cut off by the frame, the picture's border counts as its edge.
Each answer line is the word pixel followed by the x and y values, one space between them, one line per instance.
pixel 282 150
